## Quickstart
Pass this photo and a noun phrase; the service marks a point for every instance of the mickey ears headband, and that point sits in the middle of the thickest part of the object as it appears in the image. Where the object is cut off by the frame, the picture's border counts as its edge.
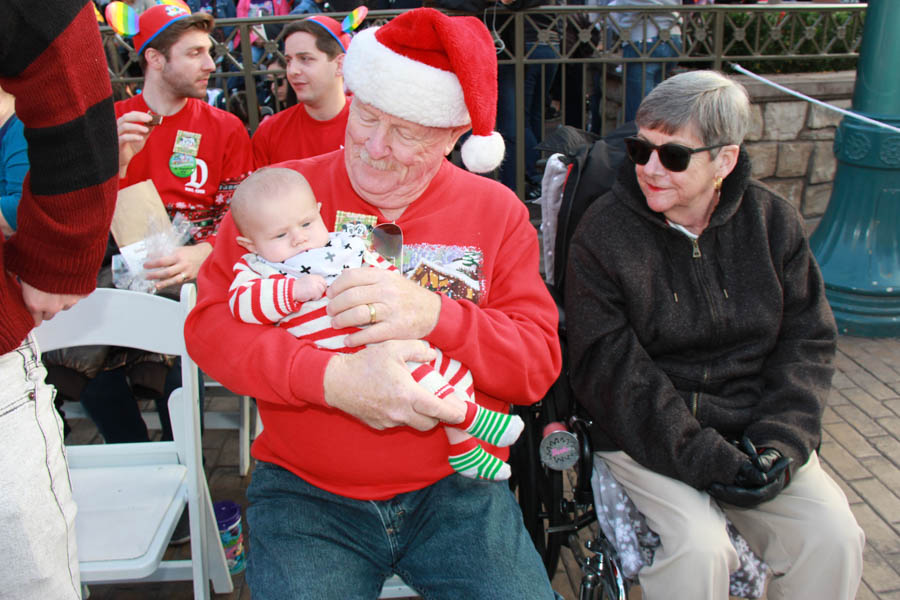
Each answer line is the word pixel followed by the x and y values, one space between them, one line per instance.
pixel 124 20
pixel 350 22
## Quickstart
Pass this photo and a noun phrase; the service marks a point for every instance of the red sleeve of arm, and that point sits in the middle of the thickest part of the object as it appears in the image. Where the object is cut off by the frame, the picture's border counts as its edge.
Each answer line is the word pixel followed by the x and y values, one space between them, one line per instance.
pixel 510 341
pixel 64 99
pixel 284 369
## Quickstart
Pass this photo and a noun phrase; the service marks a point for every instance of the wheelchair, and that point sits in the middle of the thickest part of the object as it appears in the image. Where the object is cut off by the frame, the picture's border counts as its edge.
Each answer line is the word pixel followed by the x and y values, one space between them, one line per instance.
pixel 552 461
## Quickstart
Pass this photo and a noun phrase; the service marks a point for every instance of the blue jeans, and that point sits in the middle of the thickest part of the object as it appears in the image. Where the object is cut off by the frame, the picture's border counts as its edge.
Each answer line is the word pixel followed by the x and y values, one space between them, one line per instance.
pixel 534 96
pixel 457 538
pixel 641 78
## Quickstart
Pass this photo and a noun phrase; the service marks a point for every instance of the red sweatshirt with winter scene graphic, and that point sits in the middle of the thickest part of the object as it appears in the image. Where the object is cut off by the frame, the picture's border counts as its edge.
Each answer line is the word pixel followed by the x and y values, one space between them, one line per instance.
pixel 467 237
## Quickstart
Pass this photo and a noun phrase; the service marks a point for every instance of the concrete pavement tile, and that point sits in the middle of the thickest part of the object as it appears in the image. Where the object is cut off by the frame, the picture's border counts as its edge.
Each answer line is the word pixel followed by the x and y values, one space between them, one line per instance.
pixel 860 420
pixel 879 534
pixel 891 424
pixel 866 381
pixel 889 447
pixel 843 362
pixel 866 402
pixel 852 496
pixel 865 593
pixel 893 405
pixel 886 471
pixel 841 381
pixel 844 464
pixel 851 440
pixel 877 573
pixel 838 397
pixel 829 416
pixel 880 498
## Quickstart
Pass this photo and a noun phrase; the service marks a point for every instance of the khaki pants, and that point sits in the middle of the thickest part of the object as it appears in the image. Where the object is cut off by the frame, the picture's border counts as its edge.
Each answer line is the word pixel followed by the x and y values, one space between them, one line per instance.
pixel 807 535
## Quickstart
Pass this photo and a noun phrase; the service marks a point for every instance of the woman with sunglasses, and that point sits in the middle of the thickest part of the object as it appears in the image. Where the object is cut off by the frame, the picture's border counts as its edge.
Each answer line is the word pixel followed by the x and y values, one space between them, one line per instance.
pixel 701 343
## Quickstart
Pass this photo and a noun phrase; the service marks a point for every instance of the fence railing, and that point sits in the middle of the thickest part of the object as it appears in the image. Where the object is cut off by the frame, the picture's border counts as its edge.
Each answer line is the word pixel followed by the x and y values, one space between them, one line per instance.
pixel 582 52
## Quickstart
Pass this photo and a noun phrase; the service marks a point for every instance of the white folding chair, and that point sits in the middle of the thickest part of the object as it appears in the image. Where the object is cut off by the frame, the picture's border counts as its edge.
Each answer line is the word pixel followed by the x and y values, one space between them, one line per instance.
pixel 245 420
pixel 130 496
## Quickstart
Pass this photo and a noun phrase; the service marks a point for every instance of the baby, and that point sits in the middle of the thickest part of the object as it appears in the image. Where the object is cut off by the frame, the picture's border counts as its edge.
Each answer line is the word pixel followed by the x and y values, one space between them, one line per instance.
pixel 293 258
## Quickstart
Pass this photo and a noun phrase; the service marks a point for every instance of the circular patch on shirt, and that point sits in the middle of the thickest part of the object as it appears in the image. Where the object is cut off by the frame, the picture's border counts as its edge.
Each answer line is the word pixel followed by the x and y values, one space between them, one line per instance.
pixel 182 165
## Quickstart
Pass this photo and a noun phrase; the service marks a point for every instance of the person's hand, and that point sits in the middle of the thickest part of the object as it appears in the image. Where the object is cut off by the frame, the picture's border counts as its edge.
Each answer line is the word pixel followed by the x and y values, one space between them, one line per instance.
pixel 375 386
pixel 759 479
pixel 5 227
pixel 309 287
pixel 133 131
pixel 44 305
pixel 402 309
pixel 178 267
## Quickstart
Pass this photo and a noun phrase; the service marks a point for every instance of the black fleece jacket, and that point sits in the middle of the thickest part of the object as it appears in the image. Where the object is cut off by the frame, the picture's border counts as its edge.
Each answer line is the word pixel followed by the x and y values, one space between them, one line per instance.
pixel 675 347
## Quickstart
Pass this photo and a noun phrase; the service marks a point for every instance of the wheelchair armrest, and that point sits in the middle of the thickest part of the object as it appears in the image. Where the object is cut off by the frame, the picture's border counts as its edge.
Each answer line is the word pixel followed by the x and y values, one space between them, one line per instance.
pixel 583 492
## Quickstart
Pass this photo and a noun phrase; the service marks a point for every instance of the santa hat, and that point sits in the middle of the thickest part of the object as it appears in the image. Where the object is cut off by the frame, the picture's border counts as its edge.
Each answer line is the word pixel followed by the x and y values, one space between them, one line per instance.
pixel 334 28
pixel 434 70
pixel 154 21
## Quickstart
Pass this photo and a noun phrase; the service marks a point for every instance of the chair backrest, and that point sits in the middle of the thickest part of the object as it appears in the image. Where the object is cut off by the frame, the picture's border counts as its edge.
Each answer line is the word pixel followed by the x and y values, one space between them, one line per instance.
pixel 117 318
pixel 131 319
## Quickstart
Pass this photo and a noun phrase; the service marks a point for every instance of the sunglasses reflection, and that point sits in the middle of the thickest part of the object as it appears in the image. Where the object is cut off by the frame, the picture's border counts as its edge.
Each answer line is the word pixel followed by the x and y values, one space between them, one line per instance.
pixel 387 240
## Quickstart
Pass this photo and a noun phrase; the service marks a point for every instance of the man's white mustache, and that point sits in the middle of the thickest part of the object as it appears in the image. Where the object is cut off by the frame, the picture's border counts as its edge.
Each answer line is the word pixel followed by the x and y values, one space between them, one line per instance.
pixel 382 165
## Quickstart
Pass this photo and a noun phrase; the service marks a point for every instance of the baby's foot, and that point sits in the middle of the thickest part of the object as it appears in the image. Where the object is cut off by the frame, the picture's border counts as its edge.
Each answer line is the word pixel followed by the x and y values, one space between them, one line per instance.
pixel 470 460
pixel 490 426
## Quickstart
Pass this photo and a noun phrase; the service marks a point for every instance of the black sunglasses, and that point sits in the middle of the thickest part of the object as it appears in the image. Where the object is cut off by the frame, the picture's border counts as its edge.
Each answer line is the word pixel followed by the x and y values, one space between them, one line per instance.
pixel 673 157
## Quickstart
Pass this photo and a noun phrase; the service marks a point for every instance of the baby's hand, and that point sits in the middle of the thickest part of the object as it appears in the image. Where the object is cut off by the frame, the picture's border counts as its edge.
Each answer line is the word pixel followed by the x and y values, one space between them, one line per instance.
pixel 309 287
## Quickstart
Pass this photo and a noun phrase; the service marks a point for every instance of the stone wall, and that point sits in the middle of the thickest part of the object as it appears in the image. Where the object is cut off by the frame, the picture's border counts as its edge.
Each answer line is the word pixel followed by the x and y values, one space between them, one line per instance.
pixel 790 140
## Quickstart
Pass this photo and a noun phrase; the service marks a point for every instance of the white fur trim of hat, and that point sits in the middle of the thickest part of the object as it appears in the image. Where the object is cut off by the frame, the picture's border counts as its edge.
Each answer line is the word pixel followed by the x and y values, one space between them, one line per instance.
pixel 435 70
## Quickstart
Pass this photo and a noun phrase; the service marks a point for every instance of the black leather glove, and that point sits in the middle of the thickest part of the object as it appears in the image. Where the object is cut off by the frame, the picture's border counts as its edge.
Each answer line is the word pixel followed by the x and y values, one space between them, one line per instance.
pixel 762 477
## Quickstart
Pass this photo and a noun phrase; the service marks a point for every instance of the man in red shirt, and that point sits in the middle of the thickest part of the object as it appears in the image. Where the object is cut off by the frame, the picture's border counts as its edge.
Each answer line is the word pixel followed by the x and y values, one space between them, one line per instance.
pixel 351 468
pixel 194 148
pixel 314 49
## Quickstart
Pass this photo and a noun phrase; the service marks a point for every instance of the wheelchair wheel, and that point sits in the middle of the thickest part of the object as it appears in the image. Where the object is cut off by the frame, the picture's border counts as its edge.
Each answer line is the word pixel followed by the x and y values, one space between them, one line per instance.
pixel 540 490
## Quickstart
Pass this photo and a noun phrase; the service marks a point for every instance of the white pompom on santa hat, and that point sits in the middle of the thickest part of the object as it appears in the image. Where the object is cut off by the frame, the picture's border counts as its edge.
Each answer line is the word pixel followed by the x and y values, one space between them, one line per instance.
pixel 435 70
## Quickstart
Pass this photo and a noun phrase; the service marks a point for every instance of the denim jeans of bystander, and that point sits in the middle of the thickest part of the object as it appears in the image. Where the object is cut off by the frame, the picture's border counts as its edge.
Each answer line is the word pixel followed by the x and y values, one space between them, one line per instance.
pixel 37 512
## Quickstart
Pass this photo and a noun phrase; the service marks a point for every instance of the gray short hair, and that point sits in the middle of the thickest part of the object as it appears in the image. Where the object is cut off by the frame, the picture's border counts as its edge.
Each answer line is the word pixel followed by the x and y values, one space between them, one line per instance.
pixel 716 106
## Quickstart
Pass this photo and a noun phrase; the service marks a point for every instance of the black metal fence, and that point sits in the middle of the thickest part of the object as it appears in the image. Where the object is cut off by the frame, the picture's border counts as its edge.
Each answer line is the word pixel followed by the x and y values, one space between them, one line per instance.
pixel 584 53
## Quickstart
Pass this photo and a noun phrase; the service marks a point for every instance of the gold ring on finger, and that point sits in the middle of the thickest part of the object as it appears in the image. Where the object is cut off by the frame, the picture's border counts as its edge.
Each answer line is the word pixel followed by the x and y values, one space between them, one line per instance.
pixel 371 314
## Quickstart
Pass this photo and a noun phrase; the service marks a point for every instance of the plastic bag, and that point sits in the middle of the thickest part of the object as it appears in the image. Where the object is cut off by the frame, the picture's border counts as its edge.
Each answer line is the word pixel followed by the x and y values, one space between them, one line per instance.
pixel 127 268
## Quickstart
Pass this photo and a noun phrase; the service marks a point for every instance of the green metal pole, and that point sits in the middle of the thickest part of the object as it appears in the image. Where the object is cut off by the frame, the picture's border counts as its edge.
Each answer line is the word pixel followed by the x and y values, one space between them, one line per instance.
pixel 857 243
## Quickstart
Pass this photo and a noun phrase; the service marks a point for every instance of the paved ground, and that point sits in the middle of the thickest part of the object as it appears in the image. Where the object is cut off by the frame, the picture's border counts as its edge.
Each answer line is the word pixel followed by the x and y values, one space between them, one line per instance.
pixel 860 449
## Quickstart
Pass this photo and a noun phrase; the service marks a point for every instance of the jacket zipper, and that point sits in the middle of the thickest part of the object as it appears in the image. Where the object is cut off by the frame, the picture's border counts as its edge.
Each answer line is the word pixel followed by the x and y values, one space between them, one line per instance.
pixel 696 253
pixel 695 402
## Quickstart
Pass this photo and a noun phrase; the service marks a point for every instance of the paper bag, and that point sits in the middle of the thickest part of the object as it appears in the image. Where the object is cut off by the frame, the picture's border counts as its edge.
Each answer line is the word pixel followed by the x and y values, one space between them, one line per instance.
pixel 139 213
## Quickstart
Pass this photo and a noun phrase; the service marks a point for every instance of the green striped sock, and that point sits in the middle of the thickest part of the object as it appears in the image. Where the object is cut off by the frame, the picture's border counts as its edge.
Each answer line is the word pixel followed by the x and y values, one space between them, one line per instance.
pixel 479 464
pixel 494 427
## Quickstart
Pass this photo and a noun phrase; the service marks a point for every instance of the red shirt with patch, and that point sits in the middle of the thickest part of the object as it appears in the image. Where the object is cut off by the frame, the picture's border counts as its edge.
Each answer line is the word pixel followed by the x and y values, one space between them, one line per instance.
pixel 223 154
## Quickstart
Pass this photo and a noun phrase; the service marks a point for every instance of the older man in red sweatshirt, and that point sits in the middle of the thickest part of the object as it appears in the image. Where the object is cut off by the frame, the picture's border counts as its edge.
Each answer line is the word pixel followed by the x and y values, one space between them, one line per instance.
pixel 352 469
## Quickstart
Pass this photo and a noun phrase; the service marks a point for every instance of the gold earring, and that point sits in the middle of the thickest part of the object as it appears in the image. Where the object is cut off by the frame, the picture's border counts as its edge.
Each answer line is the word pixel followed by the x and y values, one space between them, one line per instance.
pixel 717 184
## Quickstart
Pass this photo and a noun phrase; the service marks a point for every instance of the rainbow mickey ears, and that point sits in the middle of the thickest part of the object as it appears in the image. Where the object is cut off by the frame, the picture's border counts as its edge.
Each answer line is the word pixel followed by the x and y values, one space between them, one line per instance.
pixel 122 18
pixel 125 21
pixel 341 31
pixel 354 19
